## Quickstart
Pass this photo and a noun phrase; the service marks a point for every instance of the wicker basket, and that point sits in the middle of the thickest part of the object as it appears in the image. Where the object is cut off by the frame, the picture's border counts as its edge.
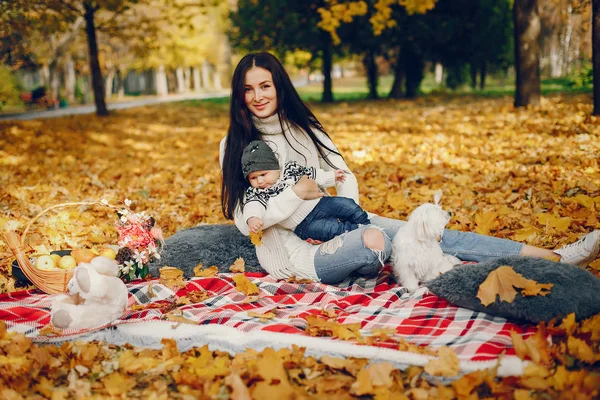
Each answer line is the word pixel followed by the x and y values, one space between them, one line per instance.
pixel 53 281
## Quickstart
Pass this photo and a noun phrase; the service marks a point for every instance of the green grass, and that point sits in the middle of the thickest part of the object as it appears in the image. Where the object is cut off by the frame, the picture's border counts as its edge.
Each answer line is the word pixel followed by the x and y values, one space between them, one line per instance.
pixel 355 88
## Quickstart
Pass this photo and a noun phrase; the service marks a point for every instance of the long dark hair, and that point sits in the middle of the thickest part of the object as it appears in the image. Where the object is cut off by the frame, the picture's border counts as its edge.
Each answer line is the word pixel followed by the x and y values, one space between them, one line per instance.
pixel 290 108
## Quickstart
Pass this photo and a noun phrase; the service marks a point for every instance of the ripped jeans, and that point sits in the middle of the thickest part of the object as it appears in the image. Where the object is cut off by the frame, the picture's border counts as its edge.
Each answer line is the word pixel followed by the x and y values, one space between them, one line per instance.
pixel 336 259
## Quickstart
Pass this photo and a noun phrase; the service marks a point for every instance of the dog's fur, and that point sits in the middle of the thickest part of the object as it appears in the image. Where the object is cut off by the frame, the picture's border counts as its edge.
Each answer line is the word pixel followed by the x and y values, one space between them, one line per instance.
pixel 416 253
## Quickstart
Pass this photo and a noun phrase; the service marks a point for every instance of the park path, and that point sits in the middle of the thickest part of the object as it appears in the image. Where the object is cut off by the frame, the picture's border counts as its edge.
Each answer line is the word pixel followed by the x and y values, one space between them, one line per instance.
pixel 90 109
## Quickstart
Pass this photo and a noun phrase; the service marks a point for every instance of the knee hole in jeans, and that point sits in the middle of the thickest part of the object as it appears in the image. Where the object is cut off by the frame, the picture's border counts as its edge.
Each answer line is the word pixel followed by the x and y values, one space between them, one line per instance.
pixel 373 239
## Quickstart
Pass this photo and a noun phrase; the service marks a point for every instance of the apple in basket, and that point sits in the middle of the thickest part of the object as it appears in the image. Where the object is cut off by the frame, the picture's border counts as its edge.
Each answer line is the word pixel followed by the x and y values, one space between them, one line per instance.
pixel 108 252
pixel 67 262
pixel 82 255
pixel 45 263
pixel 56 258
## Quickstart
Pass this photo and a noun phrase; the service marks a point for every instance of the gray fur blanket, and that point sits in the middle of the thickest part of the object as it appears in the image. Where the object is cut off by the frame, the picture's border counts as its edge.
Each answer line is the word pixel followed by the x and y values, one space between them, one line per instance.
pixel 218 245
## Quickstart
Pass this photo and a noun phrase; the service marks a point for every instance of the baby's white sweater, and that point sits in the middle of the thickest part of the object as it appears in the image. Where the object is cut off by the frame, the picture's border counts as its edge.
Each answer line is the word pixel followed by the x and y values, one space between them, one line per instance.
pixel 282 253
pixel 256 207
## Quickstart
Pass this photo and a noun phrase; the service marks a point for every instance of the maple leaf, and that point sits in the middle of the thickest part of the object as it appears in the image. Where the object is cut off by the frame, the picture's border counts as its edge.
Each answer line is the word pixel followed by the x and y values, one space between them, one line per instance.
pixel 363 384
pixel 50 330
pixel 256 238
pixel 198 296
pixel 131 363
pixel 590 325
pixel 177 316
pixel 467 383
pixel 117 384
pixel 445 365
pixel 276 383
pixel 526 234
pixel 502 282
pixel 535 347
pixel 372 376
pixel 581 350
pixel 243 284
pixel 239 265
pixel 336 363
pixel 403 345
pixel 568 324
pixel 269 314
pixel 330 312
pixel 200 272
pixel 300 281
pixel 322 327
pixel 560 224
pixel 172 278
pixel 485 222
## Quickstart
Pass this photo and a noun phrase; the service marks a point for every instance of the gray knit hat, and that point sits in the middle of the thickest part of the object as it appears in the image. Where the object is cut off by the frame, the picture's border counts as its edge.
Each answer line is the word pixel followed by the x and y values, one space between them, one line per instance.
pixel 258 156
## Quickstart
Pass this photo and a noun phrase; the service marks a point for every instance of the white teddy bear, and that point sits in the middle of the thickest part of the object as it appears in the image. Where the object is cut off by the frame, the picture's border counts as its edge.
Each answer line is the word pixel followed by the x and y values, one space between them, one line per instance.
pixel 96 296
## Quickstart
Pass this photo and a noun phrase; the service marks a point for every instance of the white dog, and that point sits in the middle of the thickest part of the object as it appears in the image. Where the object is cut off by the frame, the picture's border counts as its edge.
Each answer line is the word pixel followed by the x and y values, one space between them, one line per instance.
pixel 416 252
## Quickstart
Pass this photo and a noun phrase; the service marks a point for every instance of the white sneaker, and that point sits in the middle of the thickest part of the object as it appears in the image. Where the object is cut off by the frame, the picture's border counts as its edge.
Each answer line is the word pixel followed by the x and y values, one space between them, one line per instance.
pixel 582 252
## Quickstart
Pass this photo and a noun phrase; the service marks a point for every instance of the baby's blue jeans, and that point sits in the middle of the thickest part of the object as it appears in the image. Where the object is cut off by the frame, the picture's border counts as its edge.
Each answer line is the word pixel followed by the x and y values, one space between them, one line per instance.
pixel 332 216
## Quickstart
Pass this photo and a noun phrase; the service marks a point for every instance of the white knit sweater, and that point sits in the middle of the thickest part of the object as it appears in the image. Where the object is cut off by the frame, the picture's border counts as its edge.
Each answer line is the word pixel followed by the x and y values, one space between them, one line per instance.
pixel 282 253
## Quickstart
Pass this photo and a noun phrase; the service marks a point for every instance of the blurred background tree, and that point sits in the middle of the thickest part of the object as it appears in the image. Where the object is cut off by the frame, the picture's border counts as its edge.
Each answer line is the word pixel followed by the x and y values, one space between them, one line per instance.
pixel 82 51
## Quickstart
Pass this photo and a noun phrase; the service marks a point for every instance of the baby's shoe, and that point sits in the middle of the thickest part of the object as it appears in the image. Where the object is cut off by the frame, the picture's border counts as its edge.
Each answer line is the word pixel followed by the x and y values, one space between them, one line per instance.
pixel 582 252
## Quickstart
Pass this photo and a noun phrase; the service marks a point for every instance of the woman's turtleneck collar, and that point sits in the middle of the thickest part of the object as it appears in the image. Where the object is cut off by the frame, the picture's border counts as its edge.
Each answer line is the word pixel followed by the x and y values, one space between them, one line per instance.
pixel 269 125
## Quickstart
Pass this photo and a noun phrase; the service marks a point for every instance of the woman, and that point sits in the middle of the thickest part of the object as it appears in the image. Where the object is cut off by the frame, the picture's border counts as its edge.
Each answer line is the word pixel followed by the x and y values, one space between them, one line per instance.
pixel 265 106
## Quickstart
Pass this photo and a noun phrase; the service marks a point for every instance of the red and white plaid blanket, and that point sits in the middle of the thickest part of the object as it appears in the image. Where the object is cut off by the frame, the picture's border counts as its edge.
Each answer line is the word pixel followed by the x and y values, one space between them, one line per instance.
pixel 419 318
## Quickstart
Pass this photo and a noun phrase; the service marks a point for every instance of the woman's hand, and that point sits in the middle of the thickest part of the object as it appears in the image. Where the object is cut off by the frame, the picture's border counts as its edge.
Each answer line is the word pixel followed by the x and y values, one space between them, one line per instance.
pixel 313 241
pixel 307 189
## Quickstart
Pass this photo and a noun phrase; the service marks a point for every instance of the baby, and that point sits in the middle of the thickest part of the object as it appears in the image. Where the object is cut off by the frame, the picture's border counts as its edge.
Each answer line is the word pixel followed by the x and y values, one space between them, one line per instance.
pixel 319 219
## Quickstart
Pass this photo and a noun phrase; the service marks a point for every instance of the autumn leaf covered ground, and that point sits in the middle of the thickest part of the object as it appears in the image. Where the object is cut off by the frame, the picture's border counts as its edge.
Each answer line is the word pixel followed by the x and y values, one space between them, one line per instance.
pixel 529 175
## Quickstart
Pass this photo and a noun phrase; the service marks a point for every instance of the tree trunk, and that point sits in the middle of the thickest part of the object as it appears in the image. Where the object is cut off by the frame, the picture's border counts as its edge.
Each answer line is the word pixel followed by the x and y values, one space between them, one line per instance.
pixel 121 82
pixel 110 76
pixel 555 56
pixel 45 76
pixel 439 73
pixel 205 74
pixel 473 71
pixel 217 77
pixel 482 75
pixel 70 79
pixel 371 67
pixel 54 83
pixel 326 68
pixel 162 87
pixel 196 79
pixel 180 80
pixel 527 53
pixel 97 81
pixel 187 78
pixel 567 41
pixel 596 53
pixel 396 90
pixel 414 72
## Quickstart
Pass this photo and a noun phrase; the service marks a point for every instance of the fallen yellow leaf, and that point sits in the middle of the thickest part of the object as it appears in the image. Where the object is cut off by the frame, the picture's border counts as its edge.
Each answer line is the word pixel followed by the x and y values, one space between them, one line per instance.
pixel 502 281
pixel 446 364
pixel 243 284
pixel 238 266
pixel 255 238
pixel 200 272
